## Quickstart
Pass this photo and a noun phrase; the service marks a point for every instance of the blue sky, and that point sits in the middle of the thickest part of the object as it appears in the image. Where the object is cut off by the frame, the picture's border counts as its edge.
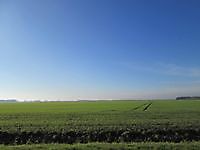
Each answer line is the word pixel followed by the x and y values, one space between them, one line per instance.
pixel 99 49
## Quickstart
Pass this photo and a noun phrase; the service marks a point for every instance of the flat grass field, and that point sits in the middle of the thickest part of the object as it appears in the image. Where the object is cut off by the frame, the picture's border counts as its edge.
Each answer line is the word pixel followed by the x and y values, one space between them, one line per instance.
pixel 100 121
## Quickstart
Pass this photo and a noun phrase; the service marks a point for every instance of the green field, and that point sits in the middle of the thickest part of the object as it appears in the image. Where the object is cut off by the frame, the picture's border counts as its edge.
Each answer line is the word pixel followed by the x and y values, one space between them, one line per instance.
pixel 102 121
pixel 72 115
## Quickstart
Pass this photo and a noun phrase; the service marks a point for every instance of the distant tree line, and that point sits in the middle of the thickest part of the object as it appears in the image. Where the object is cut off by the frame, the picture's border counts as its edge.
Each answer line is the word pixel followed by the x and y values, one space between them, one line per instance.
pixel 188 97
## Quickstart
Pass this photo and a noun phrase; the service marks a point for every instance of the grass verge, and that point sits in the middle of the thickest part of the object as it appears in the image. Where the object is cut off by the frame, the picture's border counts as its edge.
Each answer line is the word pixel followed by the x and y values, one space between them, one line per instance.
pixel 108 146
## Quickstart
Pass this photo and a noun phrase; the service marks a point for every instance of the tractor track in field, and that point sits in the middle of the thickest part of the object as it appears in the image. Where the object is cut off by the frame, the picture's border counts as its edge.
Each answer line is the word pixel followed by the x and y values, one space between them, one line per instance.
pixel 140 106
pixel 147 107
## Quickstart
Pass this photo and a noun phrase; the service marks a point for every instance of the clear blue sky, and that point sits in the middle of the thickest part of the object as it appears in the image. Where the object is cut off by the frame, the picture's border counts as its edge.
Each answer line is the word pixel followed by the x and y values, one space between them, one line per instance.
pixel 96 49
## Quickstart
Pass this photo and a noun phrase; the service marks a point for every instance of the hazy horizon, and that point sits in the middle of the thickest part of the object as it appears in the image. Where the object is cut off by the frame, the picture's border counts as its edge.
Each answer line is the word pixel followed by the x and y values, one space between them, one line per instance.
pixel 102 49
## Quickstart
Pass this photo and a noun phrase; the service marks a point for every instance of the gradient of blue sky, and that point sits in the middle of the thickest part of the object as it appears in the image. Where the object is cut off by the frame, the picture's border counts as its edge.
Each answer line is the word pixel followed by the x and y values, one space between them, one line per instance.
pixel 69 49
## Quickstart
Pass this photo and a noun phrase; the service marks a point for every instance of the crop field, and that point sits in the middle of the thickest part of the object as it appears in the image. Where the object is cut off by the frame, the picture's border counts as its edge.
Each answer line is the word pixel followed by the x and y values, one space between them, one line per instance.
pixel 100 121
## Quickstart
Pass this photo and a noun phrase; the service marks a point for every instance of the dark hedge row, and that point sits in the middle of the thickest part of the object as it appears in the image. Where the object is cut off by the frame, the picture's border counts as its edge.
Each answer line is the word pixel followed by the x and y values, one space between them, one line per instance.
pixel 155 135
